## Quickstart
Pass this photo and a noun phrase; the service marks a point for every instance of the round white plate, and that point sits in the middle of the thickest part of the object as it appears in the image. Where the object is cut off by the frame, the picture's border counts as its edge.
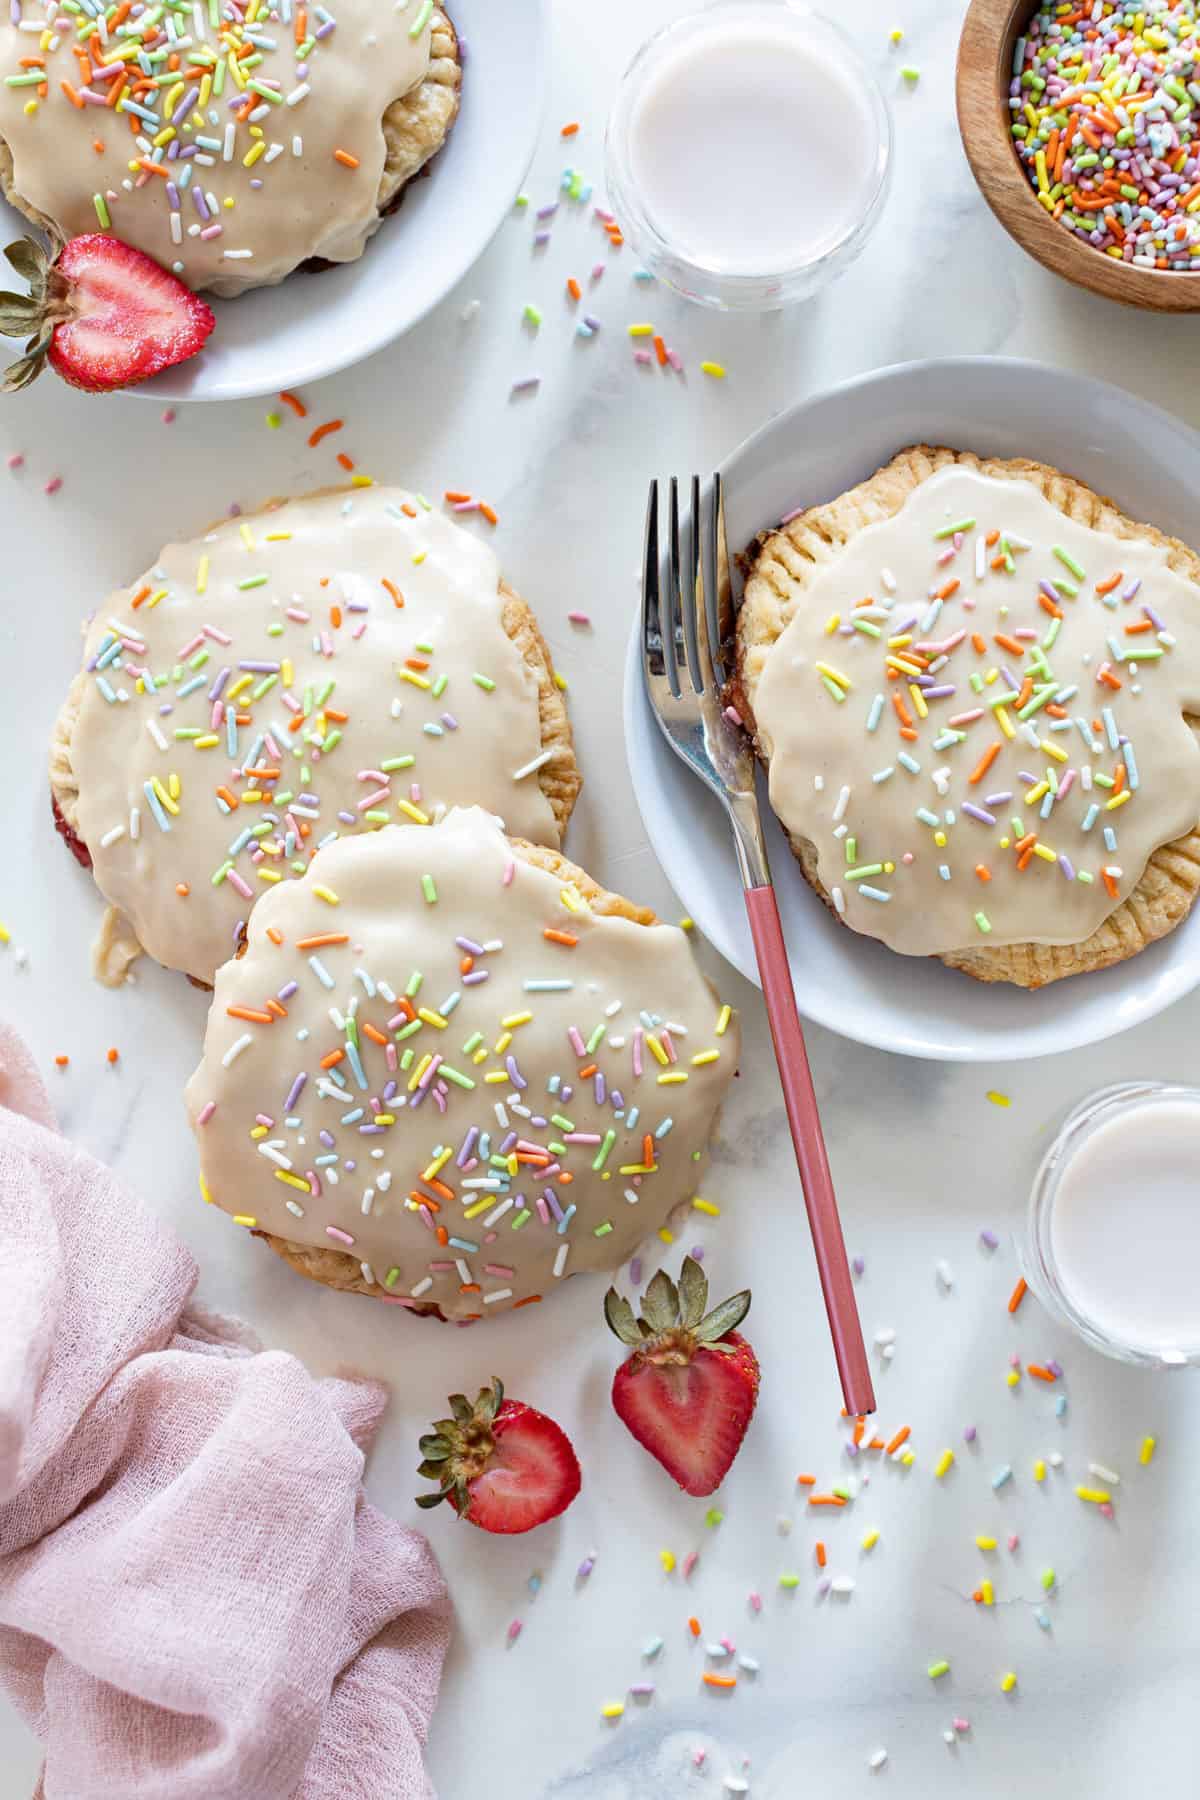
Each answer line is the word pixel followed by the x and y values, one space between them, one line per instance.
pixel 1150 463
pixel 314 324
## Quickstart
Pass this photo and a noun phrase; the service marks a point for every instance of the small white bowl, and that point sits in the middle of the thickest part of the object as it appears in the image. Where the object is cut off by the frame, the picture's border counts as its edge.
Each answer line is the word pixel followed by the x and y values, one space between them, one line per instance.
pixel 1150 463
pixel 314 324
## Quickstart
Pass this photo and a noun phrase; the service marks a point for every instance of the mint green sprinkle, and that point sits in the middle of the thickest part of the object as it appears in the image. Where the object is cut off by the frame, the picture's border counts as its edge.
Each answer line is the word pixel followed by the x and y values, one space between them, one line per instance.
pixel 531 313
pixel 911 73
pixel 391 1278
pixel 948 531
pixel 1064 556
pixel 604 1152
pixel 484 682
pixel 983 922
pixel 253 581
pixel 831 687
pixel 422 19
pixel 713 1516
pixel 439 686
pixel 473 1042
pixel 455 1075
pixel 789 1580
pixel 414 984
pixel 522 1218
pixel 274 421
pixel 397 762
pixel 101 206
pixel 429 889
pixel 603 1230
pixel 596 1038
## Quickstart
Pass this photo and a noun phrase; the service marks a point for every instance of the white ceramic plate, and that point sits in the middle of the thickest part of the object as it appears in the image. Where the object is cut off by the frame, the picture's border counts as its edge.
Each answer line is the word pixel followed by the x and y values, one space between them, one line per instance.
pixel 314 324
pixel 1150 463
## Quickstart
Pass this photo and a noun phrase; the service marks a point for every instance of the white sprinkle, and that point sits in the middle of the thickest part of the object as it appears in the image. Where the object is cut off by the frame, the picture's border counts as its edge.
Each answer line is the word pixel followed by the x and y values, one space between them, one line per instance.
pixel 135 823
pixel 235 1049
pixel 949 1737
pixel 297 146
pixel 368 1199
pixel 735 1785
pixel 945 1273
pixel 888 580
pixel 819 783
pixel 537 762
pixel 980 558
pixel 156 734
pixel 839 901
pixel 888 1351
pixel 227 151
pixel 273 1154
pixel 500 1294
pixel 275 151
pixel 294 1208
pixel 843 801
pixel 464 1272
pixel 422 1287
pixel 632 1195
pixel 749 1663
pixel 1109 1475
pixel 877 1759
pixel 886 1336
pixel 298 94
pixel 842 1584
pixel 368 1273
pixel 176 228
pixel 112 837
pixel 560 1258
pixel 237 255
pixel 1055 1459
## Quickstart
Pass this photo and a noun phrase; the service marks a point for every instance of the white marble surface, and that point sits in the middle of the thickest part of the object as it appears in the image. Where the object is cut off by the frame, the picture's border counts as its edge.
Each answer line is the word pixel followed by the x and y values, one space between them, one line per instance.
pixel 1105 1700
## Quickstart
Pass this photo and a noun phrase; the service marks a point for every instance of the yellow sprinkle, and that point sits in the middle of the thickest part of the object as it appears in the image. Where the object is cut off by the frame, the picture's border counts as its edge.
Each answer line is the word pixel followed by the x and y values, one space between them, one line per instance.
pixel 832 623
pixel 988 1592
pixel 164 796
pixel 1117 800
pixel 1045 852
pixel 502 1042
pixel 292 1181
pixel 247 1219
pixel 271 875
pixel 420 1069
pixel 870 1539
pixel 908 1459
pixel 1005 723
pixel 939 838
pixel 239 686
pixel 328 895
pixel 436 1166
pixel 1054 750
pixel 1008 1681
pixel 723 1018
pixel 246 535
pixel 494 1075
pixel 286 672
pixel 573 900
pixel 204 1193
pixel 278 537
pixel 384 1119
pixel 252 155
pixel 362 481
pixel 997 1098
pixel 1095 1496
pixel 686 924
pixel 944 1462
pixel 918 700
pixel 904 667
pixel 427 1016
pixel 1013 1378
pixel 202 575
pixel 173 786
pixel 668 1237
pixel 613 1711
pixel 901 642
pixel 705 1056
pixel 1145 1454
pixel 706 1206
pixel 667 1559
pixel 656 1049
pixel 985 1543
pixel 715 369
pixel 843 681
pixel 672 1078
pixel 412 812
pixel 416 680
pixel 1039 1470
pixel 641 331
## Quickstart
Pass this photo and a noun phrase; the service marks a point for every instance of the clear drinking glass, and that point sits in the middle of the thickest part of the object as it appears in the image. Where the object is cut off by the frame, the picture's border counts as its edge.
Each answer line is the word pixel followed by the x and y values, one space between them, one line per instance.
pixel 1050 1281
pixel 759 290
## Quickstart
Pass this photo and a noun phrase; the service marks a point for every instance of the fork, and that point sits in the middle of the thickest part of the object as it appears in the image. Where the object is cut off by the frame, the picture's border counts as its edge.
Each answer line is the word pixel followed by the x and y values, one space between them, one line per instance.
pixel 687 634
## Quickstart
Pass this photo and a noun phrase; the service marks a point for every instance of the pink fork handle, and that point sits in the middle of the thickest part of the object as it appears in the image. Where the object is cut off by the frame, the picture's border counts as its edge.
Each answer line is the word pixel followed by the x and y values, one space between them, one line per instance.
pixel 805 1122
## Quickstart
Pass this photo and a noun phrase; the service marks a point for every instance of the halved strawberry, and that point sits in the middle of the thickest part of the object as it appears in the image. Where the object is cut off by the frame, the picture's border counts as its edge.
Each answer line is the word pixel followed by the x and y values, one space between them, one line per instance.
pixel 69 836
pixel 103 314
pixel 501 1465
pixel 688 1391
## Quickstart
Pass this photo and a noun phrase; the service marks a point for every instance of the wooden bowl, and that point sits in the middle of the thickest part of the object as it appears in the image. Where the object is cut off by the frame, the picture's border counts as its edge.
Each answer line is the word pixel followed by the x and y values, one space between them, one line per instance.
pixel 985 54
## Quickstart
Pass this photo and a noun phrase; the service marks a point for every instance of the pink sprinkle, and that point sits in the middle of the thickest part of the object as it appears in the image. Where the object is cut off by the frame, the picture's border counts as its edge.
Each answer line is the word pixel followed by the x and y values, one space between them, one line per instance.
pixel 1013 1541
pixel 1106 1508
pixel 728 1644
pixel 514 1631
pixel 689 1562
pixel 794 514
pixel 675 360
pixel 756 1603
pixel 343 1237
pixel 206 1112
pixel 962 1724
pixel 644 357
pixel 1014 1361
pixel 699 1757
pixel 597 271
pixel 16 460
pixel 579 618
pixel 53 485
pixel 733 715
pixel 498 1269
pixel 169 416
pixel 510 869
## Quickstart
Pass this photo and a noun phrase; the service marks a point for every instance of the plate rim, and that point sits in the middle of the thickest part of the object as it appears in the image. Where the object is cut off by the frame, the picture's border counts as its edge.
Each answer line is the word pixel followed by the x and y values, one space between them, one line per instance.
pixel 981 1049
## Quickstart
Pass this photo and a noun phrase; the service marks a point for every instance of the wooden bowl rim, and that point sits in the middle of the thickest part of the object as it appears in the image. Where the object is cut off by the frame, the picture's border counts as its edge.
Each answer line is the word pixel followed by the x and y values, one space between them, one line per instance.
pixel 981 96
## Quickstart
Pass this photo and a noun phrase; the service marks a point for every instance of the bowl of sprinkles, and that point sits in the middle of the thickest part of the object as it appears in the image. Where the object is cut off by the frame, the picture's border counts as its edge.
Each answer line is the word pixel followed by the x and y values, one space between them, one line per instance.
pixel 1081 123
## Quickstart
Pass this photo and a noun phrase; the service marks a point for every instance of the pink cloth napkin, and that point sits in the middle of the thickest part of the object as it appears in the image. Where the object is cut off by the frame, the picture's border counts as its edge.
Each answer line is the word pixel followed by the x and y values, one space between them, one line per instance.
pixel 196 1598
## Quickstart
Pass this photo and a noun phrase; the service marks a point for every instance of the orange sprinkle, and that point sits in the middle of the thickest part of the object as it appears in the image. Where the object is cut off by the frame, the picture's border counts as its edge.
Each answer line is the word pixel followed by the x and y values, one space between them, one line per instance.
pixel 902 712
pixel 906 731
pixel 297 405
pixel 439 1187
pixel 77 100
pixel 333 1058
pixel 114 1056
pixel 142 594
pixel 455 496
pixel 978 644
pixel 560 937
pixel 1109 884
pixel 951 587
pixel 182 889
pixel 860 1427
pixel 1135 630
pixel 983 872
pixel 1009 643
pixel 466 965
pixel 1118 780
pixel 999 562
pixel 323 431
pixel 376 1036
pixel 409 511
pixel 993 537
pixel 719 1681
pixel 1114 581
pixel 151 168
pixel 825 1500
pixel 60 1062
pixel 322 938
pixel 820 1554
pixel 346 159
pixel 248 1013
pixel 340 718
pixel 1039 1373
pixel 1056 712
pixel 648 1149
pixel 1108 678
pixel 985 762
pixel 470 1287
pixel 441 1234
pixel 416 662
pixel 346 462
pixel 586 1075
pixel 901 1437
pixel 1026 692
pixel 529 1300
pixel 393 590
pixel 335 616
pixel 1047 605
pixel 275 935
pixel 492 517
pixel 694 1627
pixel 806 1480
pixel 660 350
pixel 570 130
pixel 1017 1295
pixel 573 288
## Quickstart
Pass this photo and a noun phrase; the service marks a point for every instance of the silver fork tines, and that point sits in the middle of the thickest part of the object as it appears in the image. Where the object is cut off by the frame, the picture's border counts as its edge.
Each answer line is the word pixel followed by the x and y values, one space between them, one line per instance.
pixel 687 636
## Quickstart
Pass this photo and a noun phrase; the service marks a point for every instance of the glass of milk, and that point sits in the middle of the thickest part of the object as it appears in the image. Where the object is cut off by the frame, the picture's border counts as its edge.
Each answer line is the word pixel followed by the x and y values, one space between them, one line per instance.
pixel 748 153
pixel 1114 1224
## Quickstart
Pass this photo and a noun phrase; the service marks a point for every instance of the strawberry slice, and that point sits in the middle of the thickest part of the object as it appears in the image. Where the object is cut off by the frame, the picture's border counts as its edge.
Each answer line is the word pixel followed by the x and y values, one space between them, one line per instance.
pixel 70 838
pixel 501 1465
pixel 689 1390
pixel 101 313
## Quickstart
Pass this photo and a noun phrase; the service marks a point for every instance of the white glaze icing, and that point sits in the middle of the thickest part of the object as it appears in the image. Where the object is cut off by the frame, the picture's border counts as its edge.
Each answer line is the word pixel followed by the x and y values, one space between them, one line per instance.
pixel 824 757
pixel 293 201
pixel 354 1152
pixel 323 609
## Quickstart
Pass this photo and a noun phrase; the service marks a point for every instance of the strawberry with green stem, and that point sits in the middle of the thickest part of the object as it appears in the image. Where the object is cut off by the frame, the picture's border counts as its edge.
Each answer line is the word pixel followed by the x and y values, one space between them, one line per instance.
pixel 499 1463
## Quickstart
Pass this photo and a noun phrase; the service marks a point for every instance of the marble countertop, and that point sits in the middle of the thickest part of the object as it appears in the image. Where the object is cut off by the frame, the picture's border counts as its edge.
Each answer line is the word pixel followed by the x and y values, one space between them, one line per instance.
pixel 922 1159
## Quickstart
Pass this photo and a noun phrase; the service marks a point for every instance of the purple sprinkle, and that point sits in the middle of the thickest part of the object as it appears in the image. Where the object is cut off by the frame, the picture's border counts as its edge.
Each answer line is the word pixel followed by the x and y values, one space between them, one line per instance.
pixel 347 818
pixel 592 323
pixel 547 212
pixel 526 384
pixel 585 1568
pixel 1130 589
pixel 635 1270
pixel 327 1138
pixel 475 977
pixel 998 799
pixel 969 1434
pixel 697 1253
pixel 642 1689
pixel 859 1265
pixel 540 238
pixel 514 1073
pixel 977 812
pixel 1066 865
pixel 287 990
pixel 1055 1368
pixel 549 1197
pixel 990 1239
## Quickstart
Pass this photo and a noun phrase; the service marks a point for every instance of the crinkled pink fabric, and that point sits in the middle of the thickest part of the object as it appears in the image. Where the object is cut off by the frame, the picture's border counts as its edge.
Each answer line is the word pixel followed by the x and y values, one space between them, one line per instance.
pixel 196 1598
